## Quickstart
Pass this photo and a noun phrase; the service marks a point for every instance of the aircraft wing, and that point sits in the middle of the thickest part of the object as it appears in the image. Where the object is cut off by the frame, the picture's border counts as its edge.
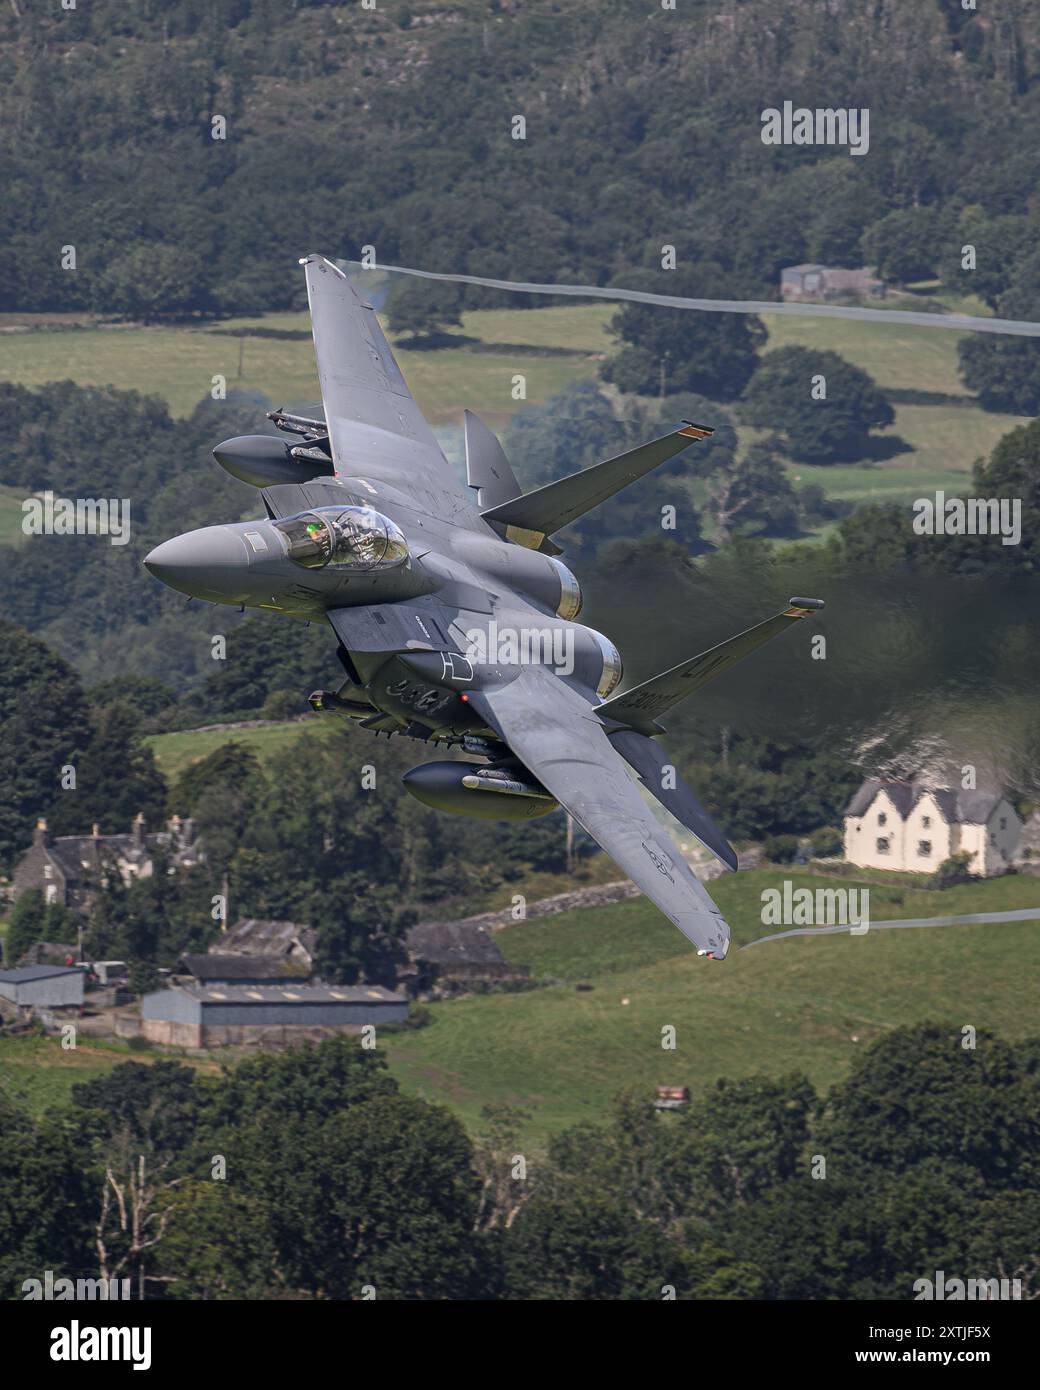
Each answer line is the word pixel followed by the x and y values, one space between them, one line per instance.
pixel 375 426
pixel 552 730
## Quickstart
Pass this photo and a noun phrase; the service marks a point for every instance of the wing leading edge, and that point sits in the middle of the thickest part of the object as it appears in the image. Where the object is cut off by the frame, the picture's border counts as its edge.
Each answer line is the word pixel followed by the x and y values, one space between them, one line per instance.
pixel 554 733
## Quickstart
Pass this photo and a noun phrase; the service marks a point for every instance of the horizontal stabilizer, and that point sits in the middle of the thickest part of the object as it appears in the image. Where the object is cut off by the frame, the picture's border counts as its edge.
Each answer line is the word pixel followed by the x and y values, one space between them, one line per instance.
pixel 538 514
pixel 487 468
pixel 640 706
pixel 657 774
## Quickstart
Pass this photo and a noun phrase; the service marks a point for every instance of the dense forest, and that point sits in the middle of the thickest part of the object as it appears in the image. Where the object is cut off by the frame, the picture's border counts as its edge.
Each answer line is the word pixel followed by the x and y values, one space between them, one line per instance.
pixel 309 1175
pixel 341 126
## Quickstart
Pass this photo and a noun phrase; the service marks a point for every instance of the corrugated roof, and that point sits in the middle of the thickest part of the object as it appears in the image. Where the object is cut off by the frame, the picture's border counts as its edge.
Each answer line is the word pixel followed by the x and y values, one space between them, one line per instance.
pixel 24 973
pixel 292 994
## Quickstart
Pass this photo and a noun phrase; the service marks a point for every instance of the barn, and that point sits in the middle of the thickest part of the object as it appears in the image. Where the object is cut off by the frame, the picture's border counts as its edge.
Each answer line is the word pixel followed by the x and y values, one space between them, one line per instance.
pixel 272 1015
pixel 43 986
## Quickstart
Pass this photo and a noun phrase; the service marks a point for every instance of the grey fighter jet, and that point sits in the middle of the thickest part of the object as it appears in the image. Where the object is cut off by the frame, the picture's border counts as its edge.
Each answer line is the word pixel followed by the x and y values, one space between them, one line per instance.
pixel 454 617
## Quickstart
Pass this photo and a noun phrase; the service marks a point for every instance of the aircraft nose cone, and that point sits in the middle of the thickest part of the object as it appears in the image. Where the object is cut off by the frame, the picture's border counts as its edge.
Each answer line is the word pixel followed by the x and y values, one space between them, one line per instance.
pixel 201 562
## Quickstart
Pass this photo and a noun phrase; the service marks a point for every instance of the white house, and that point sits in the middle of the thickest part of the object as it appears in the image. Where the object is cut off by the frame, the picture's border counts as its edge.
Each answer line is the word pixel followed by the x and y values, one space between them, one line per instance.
pixel 891 824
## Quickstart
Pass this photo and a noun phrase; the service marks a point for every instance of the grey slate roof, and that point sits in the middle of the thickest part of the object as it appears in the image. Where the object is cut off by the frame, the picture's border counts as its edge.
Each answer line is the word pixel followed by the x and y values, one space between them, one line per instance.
pixel 453 943
pixel 240 967
pixel 958 807
pixel 259 936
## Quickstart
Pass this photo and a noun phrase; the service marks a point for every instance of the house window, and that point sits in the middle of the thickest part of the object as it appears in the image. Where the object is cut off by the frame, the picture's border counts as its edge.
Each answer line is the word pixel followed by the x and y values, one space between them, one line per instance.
pixel 882 844
pixel 924 848
pixel 52 893
pixel 48 872
pixel 926 822
pixel 1003 822
pixel 882 818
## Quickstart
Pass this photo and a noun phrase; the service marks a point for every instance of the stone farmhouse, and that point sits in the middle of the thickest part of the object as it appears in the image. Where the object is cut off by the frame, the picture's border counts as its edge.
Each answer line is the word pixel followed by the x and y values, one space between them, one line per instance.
pixel 913 826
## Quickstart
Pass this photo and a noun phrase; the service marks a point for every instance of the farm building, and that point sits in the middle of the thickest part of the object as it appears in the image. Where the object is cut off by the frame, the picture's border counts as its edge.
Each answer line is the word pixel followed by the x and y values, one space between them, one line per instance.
pixel 243 970
pixel 892 824
pixel 455 951
pixel 42 986
pixel 812 281
pixel 258 936
pixel 70 869
pixel 218 1015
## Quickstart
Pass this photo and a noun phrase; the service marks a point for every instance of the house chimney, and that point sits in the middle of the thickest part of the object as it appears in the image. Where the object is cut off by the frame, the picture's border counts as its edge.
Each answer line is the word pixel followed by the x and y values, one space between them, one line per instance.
pixel 137 829
pixel 41 835
pixel 95 830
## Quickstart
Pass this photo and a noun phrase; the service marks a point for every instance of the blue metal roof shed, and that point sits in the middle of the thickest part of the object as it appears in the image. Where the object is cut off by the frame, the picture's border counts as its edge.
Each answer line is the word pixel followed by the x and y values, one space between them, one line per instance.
pixel 203 1015
pixel 45 986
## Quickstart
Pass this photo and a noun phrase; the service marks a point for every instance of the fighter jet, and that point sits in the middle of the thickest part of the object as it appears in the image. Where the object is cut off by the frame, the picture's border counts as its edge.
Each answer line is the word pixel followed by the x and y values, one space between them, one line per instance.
pixel 455 619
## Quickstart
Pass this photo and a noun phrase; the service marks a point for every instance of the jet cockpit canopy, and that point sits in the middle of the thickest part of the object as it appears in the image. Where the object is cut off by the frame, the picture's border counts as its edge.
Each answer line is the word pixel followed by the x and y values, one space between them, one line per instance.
pixel 347 538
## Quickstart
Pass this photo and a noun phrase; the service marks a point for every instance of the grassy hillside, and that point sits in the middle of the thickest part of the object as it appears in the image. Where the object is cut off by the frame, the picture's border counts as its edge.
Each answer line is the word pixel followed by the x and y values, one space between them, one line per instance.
pixel 551 347
pixel 179 363
pixel 801 1004
pixel 564 1053
pixel 174 752
pixel 40 1073
pixel 945 436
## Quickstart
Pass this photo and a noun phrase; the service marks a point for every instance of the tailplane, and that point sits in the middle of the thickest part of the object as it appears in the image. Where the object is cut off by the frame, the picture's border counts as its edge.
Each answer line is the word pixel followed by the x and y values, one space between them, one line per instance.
pixel 639 707
pixel 530 520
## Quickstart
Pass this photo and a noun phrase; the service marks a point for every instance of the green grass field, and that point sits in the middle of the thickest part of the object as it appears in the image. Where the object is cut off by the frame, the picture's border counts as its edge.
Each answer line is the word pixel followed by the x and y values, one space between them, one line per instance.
pixel 39 1073
pixel 944 438
pixel 179 363
pixel 564 1054
pixel 801 1004
pixel 177 751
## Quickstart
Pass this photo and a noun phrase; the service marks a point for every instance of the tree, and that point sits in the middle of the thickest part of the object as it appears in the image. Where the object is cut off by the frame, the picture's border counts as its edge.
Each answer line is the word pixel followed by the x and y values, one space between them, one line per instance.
pixel 754 496
pixel 919 1093
pixel 1012 471
pixel 154 280
pixel 785 394
pixel 46 1196
pixel 423 308
pixel 32 920
pixel 231 766
pixel 380 1194
pixel 25 926
pixel 669 350
pixel 1004 370
pixel 116 780
pixel 44 727
pixel 587 1245
pixel 905 245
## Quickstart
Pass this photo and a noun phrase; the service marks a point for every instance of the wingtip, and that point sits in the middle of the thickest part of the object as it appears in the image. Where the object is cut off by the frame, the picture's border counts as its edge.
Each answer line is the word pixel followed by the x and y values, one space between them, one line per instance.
pixel 323 263
pixel 695 431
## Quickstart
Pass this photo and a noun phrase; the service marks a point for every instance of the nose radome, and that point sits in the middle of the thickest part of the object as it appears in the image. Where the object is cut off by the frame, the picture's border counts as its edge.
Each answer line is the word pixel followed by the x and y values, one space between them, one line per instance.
pixel 199 560
pixel 212 547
